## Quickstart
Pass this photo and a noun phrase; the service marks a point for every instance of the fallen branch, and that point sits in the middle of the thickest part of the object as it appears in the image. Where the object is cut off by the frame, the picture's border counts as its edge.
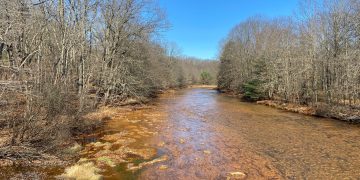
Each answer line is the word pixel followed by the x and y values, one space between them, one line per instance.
pixel 19 152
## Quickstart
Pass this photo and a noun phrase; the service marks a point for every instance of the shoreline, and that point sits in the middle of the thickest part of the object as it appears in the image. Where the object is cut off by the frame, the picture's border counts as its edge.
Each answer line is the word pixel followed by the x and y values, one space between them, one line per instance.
pixel 69 152
pixel 341 113
pixel 212 87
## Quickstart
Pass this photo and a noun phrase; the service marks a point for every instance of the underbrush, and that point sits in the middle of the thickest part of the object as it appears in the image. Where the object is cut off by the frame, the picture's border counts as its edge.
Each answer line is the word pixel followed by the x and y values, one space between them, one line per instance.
pixel 43 128
pixel 34 128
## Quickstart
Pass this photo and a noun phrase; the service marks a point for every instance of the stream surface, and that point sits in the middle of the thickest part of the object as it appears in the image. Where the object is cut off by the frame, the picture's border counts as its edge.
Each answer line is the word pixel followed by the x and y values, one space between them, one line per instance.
pixel 200 134
pixel 221 134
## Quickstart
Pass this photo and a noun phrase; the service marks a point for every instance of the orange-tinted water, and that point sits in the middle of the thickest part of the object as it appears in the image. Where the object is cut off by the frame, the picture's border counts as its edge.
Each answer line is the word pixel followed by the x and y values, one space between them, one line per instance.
pixel 260 141
pixel 206 135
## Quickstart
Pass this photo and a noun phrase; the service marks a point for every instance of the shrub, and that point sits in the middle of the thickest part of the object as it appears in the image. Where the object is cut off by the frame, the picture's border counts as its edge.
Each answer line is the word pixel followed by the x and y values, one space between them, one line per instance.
pixel 251 91
pixel 205 78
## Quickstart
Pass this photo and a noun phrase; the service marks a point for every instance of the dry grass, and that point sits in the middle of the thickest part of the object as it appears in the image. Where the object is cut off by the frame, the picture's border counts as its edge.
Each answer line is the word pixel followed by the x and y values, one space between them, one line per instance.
pixel 82 171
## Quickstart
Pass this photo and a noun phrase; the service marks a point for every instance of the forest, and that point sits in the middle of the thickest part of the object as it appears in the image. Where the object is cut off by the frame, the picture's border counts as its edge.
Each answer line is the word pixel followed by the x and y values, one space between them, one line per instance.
pixel 311 58
pixel 62 58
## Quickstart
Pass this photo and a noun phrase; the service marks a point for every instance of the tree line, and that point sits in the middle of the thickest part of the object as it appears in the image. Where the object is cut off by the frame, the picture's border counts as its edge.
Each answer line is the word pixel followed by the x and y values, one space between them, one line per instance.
pixel 199 71
pixel 309 58
pixel 62 57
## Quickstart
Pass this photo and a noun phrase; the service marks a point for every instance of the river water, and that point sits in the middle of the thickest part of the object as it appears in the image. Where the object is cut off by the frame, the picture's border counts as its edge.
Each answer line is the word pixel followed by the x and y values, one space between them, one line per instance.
pixel 200 134
pixel 222 134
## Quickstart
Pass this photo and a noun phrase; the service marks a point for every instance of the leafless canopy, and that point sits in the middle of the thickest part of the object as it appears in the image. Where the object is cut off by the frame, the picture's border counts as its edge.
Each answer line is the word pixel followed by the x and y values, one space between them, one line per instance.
pixel 312 57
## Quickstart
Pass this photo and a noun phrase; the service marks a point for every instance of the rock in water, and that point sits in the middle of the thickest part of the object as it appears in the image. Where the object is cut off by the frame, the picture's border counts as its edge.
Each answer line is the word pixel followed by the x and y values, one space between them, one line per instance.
pixel 235 175
pixel 163 167
pixel 161 144
pixel 207 152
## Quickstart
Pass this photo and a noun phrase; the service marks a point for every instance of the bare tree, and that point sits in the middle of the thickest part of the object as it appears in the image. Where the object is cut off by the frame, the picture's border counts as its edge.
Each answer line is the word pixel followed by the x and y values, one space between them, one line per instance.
pixel 310 58
pixel 60 58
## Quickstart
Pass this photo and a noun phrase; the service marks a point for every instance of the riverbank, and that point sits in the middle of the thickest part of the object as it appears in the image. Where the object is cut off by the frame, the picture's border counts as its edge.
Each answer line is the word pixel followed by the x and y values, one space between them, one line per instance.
pixel 213 87
pixel 122 147
pixel 342 113
pixel 30 160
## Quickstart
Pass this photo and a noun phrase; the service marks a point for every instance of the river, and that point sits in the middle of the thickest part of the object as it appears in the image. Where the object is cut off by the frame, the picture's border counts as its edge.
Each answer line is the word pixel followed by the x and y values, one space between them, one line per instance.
pixel 206 135
pixel 260 141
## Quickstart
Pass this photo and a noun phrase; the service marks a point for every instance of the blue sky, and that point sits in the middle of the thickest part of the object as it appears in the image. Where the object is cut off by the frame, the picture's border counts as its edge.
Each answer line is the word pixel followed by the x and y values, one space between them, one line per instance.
pixel 198 26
